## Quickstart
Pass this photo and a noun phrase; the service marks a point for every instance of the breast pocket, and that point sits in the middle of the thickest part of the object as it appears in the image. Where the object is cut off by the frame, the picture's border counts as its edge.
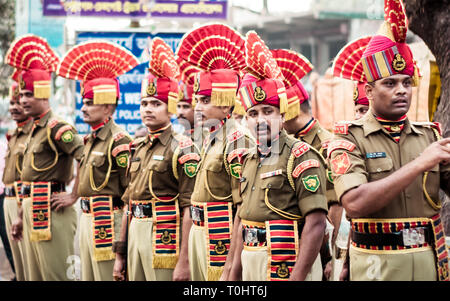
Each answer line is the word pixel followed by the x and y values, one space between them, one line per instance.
pixel 273 183
pixel 158 166
pixel 379 168
pixel 97 161
pixel 216 176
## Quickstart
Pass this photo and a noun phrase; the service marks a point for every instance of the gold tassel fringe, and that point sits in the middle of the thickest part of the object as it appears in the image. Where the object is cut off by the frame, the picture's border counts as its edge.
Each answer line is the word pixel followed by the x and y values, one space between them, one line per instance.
pixel 40 235
pixel 104 254
pixel 172 105
pixel 42 92
pixel 283 102
pixel 164 261
pixel 238 108
pixel 292 111
pixel 223 98
pixel 214 273
pixel 104 98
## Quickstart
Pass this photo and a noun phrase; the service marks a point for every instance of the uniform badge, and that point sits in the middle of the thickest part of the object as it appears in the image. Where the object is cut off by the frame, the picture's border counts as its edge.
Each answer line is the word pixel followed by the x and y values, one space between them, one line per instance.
pixel 196 85
pixel 329 178
pixel 283 271
pixel 220 248
pixel 259 94
pixel 235 169
pixel 122 160
pixel 304 166
pixel 67 137
pixel 341 164
pixel 311 182
pixel 166 238
pixel 22 84
pixel 102 233
pixel 190 169
pixel 181 95
pixel 151 89
pixel 41 216
pixel 355 94
pixel 398 63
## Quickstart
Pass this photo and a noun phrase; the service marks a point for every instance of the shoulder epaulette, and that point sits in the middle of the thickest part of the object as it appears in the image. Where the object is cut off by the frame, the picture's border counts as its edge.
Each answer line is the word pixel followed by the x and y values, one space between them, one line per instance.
pixel 53 122
pixel 300 149
pixel 437 126
pixel 119 135
pixel 185 142
pixel 341 128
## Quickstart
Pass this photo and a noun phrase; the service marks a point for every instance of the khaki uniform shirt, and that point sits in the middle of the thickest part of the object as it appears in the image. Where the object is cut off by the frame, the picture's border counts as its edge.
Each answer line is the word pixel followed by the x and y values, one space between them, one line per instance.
pixel 173 161
pixel 67 143
pixel 271 174
pixel 14 153
pixel 104 162
pixel 219 172
pixel 368 154
pixel 319 138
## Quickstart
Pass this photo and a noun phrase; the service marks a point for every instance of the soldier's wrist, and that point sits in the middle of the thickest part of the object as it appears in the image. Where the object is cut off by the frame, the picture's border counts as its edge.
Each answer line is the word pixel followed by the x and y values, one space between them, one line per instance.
pixel 120 247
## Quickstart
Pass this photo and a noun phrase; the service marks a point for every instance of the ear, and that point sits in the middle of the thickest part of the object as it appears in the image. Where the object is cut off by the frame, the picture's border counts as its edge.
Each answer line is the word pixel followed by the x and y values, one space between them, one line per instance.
pixel 369 91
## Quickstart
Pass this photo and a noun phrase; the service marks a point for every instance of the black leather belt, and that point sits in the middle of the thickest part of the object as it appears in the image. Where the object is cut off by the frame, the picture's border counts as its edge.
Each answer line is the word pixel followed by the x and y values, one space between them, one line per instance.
pixel 405 237
pixel 55 187
pixel 253 235
pixel 142 210
pixel 197 214
pixel 86 204
pixel 10 191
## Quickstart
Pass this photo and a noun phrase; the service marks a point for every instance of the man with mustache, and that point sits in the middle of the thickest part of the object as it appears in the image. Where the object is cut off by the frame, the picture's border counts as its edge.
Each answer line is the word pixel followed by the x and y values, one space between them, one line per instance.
pixel 216 192
pixel 49 219
pixel 11 176
pixel 284 207
pixel 153 242
pixel 388 170
pixel 102 173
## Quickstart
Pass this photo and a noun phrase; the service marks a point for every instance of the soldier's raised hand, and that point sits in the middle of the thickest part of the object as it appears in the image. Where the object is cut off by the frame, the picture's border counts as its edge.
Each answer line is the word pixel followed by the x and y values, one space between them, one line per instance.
pixel 436 153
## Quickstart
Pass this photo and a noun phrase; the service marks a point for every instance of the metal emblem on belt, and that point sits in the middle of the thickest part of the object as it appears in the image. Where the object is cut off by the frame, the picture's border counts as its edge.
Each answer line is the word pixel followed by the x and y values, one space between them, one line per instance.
pixel 251 235
pixel 220 248
pixel 102 233
pixel 414 236
pixel 139 212
pixel 283 271
pixel 166 238
pixel 41 216
pixel 84 206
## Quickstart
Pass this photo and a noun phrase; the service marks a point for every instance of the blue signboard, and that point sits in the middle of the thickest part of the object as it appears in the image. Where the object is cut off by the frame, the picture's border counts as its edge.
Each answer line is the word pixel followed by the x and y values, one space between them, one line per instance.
pixel 127 114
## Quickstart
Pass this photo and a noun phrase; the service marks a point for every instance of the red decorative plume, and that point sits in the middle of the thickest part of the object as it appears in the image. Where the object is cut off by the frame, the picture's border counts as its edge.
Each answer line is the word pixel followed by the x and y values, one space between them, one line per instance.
pixel 162 60
pixel 213 46
pixel 394 13
pixel 293 65
pixel 347 63
pixel 96 59
pixel 187 71
pixel 32 52
pixel 260 61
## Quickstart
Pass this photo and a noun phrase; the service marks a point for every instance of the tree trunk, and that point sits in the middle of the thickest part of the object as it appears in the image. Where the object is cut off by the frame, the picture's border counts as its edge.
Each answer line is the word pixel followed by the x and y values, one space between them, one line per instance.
pixel 430 20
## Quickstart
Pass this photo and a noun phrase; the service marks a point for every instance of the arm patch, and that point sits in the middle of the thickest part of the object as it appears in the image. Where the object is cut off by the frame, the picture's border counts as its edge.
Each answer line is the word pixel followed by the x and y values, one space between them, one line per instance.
pixel 62 131
pixel 237 153
pixel 340 144
pixel 192 156
pixel 52 122
pixel 304 166
pixel 120 148
pixel 185 143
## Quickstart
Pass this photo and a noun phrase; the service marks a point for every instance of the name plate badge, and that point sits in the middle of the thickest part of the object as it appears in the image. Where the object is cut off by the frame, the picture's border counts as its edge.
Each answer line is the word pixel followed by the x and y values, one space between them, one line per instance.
pixel 376 155
pixel 158 158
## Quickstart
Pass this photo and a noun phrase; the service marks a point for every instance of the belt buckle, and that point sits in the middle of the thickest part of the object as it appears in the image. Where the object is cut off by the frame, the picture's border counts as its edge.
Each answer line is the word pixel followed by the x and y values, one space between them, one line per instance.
pixel 251 235
pixel 84 205
pixel 139 211
pixel 413 236
pixel 195 213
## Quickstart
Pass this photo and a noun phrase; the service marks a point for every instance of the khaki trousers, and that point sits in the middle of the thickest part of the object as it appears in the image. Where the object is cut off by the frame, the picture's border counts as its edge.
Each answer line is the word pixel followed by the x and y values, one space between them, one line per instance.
pixel 48 260
pixel 11 213
pixel 92 270
pixel 197 253
pixel 140 252
pixel 402 265
pixel 255 260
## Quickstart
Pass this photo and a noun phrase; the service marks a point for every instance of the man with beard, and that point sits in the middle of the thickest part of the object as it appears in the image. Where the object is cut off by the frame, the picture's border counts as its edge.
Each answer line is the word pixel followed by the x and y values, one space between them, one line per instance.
pixel 162 172
pixel 387 170
pixel 102 172
pixel 49 219
pixel 11 176
pixel 283 210
pixel 216 191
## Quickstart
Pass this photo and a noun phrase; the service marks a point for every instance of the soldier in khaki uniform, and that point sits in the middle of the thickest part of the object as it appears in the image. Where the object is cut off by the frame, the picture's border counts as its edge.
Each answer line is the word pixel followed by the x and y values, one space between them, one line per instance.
pixel 49 219
pixel 11 177
pixel 300 123
pixel 348 65
pixel 284 207
pixel 102 173
pixel 162 172
pixel 216 191
pixel 388 170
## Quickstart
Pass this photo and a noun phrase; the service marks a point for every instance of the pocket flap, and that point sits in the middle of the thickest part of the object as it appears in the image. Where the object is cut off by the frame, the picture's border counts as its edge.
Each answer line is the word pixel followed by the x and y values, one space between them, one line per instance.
pixel 379 164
